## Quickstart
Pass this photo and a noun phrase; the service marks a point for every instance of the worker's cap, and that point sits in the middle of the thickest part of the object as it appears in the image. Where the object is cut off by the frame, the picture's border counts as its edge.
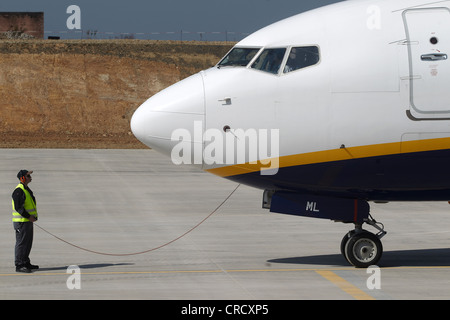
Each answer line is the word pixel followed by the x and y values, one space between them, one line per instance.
pixel 23 173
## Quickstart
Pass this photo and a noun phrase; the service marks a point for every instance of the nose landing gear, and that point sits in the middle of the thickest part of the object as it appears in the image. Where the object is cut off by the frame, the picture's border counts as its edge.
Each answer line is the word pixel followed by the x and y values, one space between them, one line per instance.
pixel 359 247
pixel 362 248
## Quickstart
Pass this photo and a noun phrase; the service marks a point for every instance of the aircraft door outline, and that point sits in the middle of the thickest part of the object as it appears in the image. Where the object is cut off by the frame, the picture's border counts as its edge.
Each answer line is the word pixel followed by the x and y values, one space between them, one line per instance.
pixel 428 40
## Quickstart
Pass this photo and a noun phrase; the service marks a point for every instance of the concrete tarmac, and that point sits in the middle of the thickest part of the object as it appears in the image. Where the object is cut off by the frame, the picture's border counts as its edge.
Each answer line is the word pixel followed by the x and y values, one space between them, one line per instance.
pixel 129 201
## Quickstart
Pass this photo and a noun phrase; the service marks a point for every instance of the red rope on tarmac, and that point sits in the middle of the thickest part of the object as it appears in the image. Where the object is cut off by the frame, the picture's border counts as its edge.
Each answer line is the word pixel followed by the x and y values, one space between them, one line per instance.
pixel 146 251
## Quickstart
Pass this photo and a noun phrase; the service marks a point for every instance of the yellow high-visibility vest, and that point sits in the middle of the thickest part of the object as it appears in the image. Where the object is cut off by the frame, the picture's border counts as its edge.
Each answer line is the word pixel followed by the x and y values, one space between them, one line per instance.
pixel 29 206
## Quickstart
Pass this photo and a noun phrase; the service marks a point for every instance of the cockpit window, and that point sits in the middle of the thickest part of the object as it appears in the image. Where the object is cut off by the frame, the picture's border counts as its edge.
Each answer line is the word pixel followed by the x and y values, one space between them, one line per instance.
pixel 302 57
pixel 270 60
pixel 238 57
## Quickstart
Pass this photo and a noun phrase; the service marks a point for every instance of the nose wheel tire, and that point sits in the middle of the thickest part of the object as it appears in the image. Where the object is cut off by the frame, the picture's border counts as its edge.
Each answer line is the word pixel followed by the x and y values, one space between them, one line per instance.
pixel 344 243
pixel 362 249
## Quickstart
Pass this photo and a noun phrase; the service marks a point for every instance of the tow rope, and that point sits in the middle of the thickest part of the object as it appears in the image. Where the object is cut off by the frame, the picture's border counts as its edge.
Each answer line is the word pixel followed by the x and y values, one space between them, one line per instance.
pixel 146 251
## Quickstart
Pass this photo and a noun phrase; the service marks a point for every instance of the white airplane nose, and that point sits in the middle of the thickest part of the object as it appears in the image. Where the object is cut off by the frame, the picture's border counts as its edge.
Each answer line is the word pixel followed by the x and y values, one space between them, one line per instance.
pixel 179 108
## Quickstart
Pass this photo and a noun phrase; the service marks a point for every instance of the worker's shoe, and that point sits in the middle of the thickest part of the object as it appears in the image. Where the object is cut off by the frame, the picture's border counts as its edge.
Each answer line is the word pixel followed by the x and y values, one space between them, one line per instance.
pixel 23 269
pixel 31 266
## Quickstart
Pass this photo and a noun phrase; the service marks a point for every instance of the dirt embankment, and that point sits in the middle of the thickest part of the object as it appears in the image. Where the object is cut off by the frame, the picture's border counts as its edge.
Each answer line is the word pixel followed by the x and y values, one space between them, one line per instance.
pixel 82 94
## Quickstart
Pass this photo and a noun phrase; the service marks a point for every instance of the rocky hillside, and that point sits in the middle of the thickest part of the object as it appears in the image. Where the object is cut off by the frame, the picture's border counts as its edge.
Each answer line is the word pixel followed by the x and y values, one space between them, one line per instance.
pixel 82 94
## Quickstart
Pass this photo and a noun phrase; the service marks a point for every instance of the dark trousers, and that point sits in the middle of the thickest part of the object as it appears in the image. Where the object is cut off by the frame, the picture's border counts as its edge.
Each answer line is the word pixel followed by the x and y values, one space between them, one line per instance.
pixel 24 242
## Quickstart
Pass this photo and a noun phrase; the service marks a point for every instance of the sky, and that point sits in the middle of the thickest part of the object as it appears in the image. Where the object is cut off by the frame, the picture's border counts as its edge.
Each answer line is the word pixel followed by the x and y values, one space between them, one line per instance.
pixel 232 18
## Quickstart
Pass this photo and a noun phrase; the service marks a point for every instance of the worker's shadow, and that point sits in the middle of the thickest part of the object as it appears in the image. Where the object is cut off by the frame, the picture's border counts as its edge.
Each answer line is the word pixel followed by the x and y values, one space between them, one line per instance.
pixel 402 258
pixel 86 266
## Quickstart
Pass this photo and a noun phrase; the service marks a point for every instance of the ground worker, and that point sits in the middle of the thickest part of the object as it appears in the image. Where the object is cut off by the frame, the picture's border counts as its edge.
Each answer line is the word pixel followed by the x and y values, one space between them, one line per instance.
pixel 24 215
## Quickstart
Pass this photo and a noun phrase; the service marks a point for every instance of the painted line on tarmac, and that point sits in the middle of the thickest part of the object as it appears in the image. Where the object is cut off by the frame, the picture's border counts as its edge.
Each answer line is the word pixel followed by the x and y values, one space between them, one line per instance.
pixel 44 273
pixel 344 285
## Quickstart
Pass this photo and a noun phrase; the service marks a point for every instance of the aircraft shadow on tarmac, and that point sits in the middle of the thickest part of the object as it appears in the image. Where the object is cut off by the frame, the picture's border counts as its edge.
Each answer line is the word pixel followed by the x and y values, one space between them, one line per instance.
pixel 403 258
pixel 87 266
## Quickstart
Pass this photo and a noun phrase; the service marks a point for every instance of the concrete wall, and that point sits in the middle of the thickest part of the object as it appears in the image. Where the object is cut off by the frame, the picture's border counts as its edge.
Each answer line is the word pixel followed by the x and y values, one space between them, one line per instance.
pixel 30 23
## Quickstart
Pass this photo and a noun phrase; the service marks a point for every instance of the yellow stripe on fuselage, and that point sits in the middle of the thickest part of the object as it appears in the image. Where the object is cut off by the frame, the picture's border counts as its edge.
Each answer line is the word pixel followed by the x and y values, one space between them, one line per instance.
pixel 350 153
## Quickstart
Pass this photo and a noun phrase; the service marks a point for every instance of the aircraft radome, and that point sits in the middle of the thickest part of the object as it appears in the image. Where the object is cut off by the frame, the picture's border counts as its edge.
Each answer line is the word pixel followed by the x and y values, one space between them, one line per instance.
pixel 325 111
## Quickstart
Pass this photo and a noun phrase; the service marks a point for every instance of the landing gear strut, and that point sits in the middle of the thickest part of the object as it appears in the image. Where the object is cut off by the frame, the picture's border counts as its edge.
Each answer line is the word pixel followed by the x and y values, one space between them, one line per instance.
pixel 362 248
